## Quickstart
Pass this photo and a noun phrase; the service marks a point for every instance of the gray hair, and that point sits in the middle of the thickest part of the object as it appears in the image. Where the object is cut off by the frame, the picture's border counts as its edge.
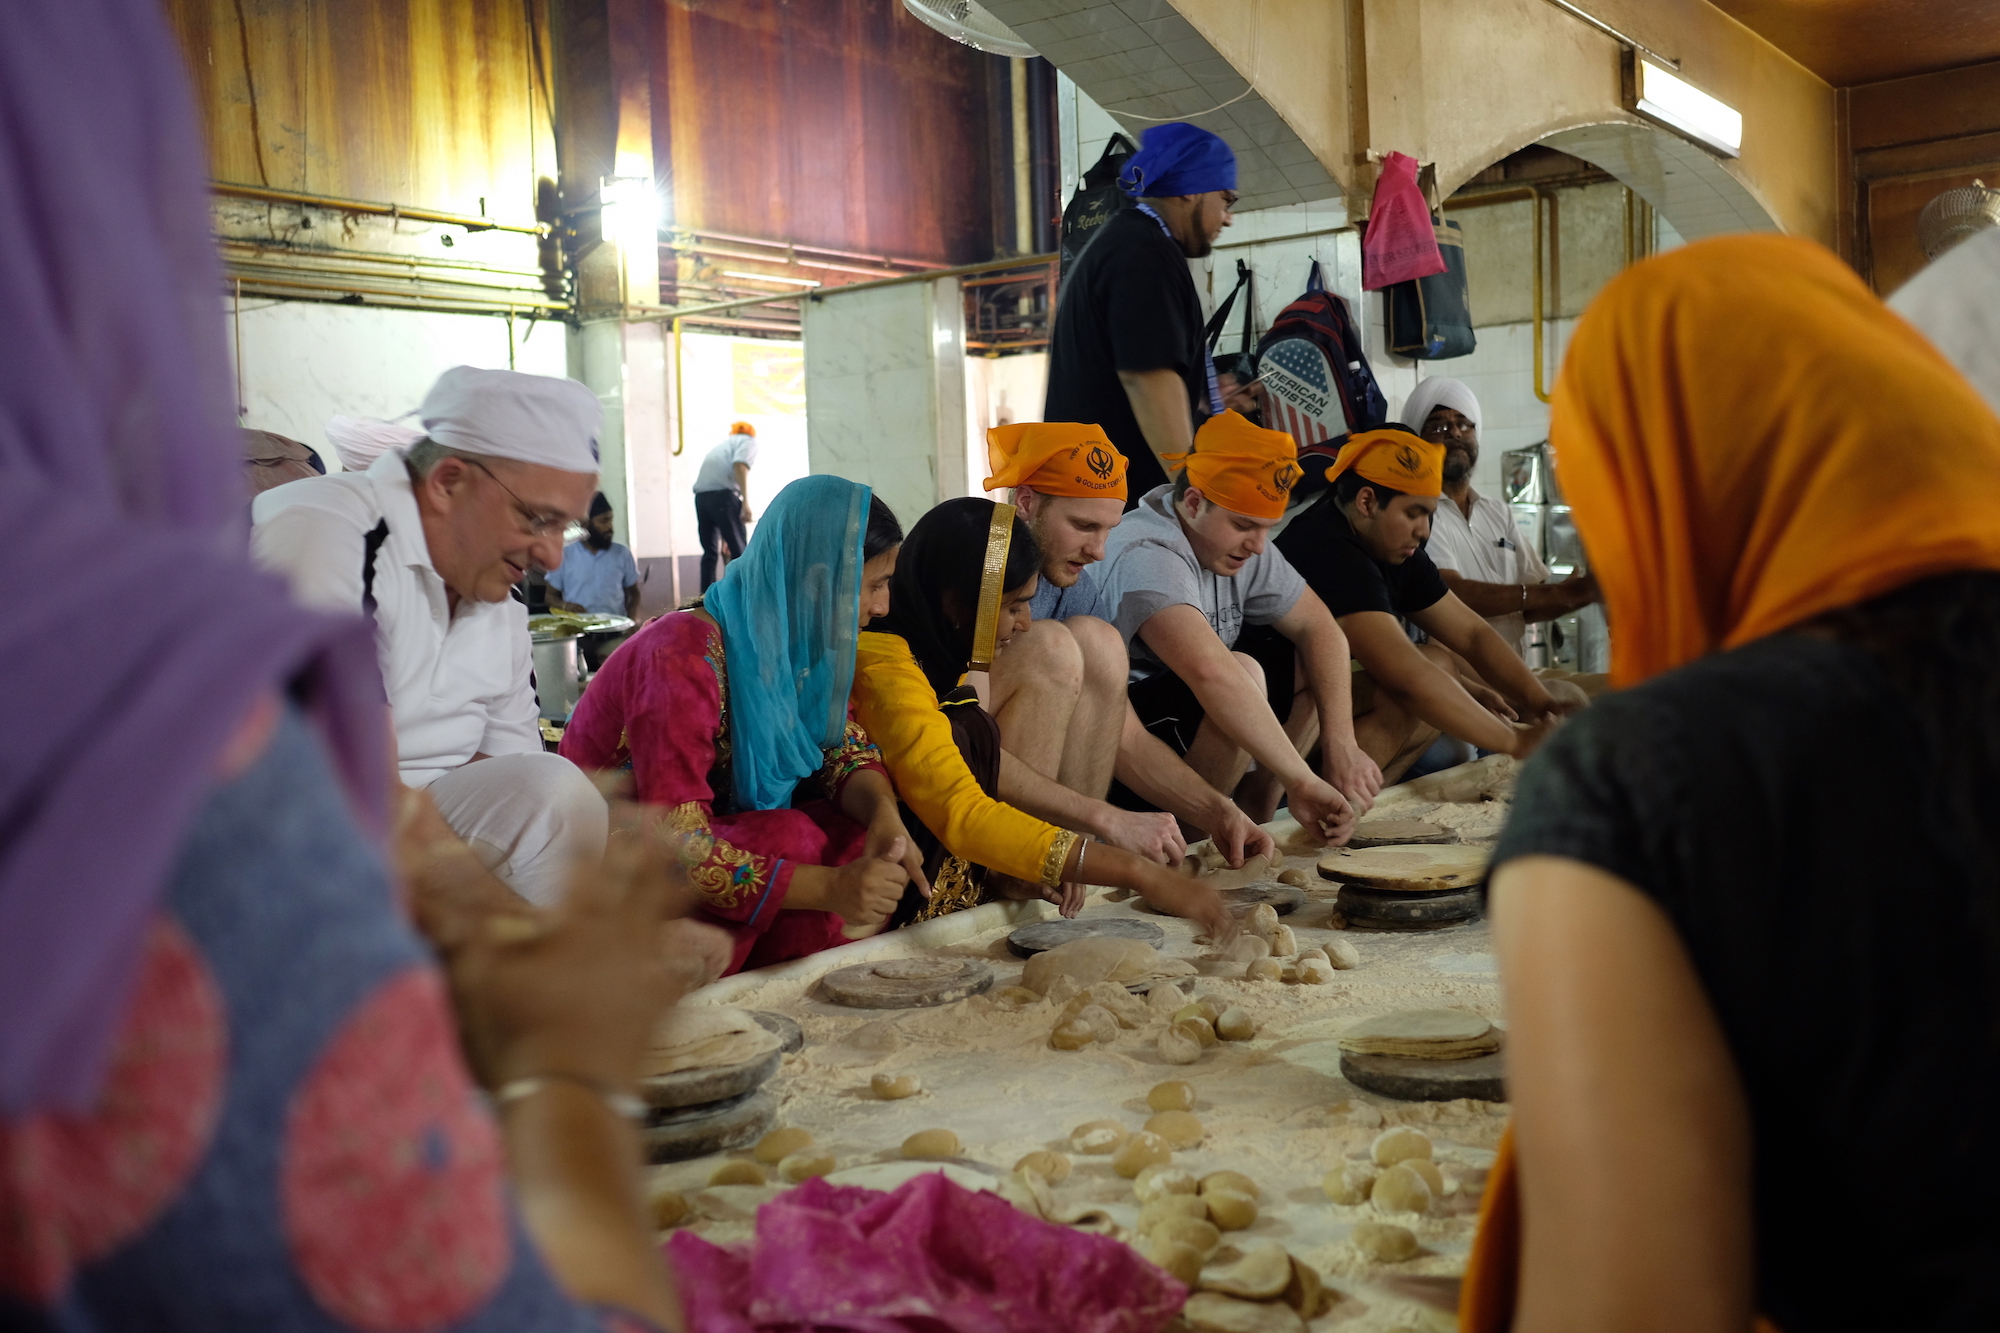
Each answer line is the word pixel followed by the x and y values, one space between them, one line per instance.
pixel 423 456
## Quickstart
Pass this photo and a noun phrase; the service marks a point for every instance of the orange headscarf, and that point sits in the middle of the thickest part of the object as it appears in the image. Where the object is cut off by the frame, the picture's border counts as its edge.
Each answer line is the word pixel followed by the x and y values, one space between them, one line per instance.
pixel 1244 468
pixel 1749 438
pixel 1394 457
pixel 1055 458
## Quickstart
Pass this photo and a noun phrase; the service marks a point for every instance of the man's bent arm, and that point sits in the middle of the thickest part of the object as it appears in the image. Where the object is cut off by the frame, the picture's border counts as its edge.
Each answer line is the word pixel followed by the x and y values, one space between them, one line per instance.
pixel 1149 766
pixel 1419 685
pixel 1180 636
pixel 1545 601
pixel 1456 626
pixel 1159 401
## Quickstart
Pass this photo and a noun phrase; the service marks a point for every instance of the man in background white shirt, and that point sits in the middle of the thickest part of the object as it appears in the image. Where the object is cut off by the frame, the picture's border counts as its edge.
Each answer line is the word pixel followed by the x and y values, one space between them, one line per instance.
pixel 430 542
pixel 1473 540
pixel 722 499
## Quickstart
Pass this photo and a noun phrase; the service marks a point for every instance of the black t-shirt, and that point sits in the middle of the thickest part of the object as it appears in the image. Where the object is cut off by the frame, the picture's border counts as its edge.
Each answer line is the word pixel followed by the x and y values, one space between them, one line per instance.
pixel 1336 562
pixel 1129 304
pixel 1742 794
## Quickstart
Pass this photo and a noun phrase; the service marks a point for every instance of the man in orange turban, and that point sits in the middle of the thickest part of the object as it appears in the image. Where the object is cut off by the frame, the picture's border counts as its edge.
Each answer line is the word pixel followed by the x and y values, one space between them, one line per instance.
pixel 1058 692
pixel 1361 546
pixel 1186 573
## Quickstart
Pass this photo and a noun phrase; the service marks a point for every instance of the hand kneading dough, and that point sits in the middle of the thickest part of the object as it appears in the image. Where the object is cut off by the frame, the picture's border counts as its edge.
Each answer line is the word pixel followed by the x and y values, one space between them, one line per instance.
pixel 1213 1312
pixel 1401 1190
pixel 1235 1025
pixel 1095 1138
pixel 737 1173
pixel 1139 1152
pixel 1230 1180
pixel 1162 1181
pixel 931 1143
pixel 1183 1261
pixel 1349 1184
pixel 1399 1144
pixel 1284 944
pixel 895 1087
pixel 1260 1275
pixel 805 1164
pixel 1173 1095
pixel 1384 1242
pixel 1156 1211
pixel 1194 1232
pixel 1098 958
pixel 1050 1166
pixel 1229 1210
pixel 1178 1128
pixel 704 1037
pixel 780 1144
pixel 1177 1047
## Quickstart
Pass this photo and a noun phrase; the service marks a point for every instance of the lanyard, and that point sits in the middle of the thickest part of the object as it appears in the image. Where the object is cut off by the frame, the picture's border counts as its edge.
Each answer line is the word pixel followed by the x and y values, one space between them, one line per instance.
pixel 1207 361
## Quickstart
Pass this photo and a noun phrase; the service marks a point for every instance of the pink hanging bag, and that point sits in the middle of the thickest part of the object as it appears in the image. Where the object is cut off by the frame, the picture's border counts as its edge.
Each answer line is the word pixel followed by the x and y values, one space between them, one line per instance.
pixel 1401 241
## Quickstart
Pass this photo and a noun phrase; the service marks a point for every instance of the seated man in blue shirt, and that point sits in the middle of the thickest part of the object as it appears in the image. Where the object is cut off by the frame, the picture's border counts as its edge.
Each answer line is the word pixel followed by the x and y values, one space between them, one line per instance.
pixel 597 574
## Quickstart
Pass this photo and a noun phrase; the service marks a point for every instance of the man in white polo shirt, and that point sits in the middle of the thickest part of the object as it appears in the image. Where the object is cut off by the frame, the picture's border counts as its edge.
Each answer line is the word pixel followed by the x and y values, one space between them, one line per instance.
pixel 1473 540
pixel 431 541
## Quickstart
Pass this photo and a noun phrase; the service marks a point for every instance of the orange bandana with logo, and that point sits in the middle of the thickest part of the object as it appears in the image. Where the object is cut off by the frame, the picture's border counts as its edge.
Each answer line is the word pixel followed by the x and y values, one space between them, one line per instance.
pixel 1244 468
pixel 1055 458
pixel 1394 458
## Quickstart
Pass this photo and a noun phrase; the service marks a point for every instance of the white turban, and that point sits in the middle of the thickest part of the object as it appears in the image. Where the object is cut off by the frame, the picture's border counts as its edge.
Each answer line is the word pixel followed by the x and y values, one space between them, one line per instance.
pixel 1955 302
pixel 506 414
pixel 361 440
pixel 1433 393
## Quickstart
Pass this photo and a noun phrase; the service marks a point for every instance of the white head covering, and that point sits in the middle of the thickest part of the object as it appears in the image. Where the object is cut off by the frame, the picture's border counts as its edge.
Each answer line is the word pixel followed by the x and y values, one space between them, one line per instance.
pixel 1433 393
pixel 506 414
pixel 1955 302
pixel 359 441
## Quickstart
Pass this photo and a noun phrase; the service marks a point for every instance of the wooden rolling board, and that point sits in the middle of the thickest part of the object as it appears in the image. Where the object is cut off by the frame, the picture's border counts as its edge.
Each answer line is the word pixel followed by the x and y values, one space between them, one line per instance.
pixel 1398 833
pixel 1405 869
pixel 696 1131
pixel 703 1087
pixel 907 983
pixel 1041 936
pixel 1408 1080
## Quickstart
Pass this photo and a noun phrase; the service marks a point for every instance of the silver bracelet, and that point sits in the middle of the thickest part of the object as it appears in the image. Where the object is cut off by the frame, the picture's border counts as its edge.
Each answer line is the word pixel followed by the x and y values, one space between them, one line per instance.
pixel 1524 596
pixel 1082 846
pixel 623 1104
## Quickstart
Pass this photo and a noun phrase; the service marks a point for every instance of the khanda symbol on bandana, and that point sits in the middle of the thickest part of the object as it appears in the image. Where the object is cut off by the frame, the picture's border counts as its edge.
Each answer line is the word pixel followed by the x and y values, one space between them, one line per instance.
pixel 1099 461
pixel 1407 460
pixel 1286 476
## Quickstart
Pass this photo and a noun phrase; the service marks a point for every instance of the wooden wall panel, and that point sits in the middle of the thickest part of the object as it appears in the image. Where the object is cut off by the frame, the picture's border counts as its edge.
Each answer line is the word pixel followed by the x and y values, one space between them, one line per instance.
pixel 841 123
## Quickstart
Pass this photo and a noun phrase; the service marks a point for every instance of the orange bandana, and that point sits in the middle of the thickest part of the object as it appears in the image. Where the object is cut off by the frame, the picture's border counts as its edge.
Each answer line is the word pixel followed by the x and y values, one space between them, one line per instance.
pixel 1749 438
pixel 1394 458
pixel 1244 468
pixel 1055 458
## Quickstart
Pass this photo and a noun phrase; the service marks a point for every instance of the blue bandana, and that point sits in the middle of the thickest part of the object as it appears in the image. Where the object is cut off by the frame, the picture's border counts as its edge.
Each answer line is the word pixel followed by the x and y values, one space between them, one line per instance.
pixel 1177 159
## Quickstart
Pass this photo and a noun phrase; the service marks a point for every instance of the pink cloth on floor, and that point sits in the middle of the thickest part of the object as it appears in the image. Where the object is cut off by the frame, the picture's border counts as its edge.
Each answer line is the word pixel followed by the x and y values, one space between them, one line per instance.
pixel 931 1257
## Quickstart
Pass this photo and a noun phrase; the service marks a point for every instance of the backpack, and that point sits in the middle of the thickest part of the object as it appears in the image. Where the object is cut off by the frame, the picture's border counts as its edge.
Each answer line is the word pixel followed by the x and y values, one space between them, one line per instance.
pixel 1097 200
pixel 1317 382
pixel 1430 318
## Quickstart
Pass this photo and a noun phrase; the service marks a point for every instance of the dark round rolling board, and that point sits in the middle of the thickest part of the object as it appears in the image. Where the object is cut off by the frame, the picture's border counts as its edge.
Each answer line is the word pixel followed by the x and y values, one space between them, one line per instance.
pixel 1041 936
pixel 1283 898
pixel 697 1131
pixel 704 1087
pixel 907 983
pixel 791 1037
pixel 1404 910
pixel 1483 1077
pixel 1398 833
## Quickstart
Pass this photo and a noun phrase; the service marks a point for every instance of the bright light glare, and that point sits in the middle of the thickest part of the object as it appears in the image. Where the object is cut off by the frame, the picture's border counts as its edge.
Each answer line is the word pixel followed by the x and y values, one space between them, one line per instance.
pixel 770 277
pixel 631 216
pixel 1679 105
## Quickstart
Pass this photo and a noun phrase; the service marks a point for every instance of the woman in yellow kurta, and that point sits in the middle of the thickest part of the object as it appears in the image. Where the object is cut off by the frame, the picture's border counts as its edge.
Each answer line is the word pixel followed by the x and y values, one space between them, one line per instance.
pixel 963 581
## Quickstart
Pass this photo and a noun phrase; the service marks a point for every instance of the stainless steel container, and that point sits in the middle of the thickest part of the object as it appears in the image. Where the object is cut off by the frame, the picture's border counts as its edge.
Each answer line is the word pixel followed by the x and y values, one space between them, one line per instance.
pixel 558 674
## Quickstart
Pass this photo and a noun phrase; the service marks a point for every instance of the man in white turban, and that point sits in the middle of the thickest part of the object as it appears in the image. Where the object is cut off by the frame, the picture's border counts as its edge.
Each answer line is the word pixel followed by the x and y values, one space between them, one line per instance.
pixel 431 541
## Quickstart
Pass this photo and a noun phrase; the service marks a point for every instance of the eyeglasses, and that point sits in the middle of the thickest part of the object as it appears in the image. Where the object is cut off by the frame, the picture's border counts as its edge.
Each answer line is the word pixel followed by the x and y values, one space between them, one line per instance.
pixel 538 524
pixel 1438 428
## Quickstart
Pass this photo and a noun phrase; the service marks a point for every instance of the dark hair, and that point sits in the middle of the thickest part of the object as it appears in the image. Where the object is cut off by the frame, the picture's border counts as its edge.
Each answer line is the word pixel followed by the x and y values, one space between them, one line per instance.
pixel 1351 483
pixel 942 565
pixel 883 529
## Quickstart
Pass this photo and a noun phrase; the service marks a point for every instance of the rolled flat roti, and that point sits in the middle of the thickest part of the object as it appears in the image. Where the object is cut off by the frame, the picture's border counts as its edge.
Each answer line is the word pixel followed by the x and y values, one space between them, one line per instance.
pixel 702 1037
pixel 1422 869
pixel 1423 1034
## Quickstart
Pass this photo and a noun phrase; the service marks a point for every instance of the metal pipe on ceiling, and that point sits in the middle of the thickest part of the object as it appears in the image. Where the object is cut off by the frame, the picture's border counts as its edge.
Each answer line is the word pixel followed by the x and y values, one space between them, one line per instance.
pixel 641 314
pixel 332 204
pixel 793 246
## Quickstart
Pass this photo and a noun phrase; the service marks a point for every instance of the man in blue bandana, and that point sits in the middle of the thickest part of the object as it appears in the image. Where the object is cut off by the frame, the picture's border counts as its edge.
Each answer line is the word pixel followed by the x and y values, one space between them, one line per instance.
pixel 1128 352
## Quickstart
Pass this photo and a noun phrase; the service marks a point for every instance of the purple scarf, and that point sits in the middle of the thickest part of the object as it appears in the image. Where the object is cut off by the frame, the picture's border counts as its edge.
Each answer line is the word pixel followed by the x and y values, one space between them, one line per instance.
pixel 138 634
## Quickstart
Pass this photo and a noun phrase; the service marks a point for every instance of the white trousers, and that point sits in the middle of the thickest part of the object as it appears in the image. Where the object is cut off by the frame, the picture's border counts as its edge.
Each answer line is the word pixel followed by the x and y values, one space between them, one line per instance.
pixel 529 817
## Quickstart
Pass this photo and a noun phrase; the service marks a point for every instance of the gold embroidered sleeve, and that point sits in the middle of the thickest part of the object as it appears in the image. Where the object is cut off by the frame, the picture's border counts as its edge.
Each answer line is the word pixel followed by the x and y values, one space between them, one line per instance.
pixel 854 753
pixel 732 882
pixel 1057 857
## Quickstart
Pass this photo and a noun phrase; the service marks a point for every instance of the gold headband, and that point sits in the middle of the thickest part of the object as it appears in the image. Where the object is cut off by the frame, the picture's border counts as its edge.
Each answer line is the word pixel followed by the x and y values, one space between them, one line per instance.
pixel 986 630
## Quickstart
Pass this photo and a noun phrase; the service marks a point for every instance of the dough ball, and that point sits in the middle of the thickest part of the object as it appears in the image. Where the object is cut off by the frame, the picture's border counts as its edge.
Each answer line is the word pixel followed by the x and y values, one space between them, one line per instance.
pixel 670 1208
pixel 1177 1047
pixel 1196 1030
pixel 1063 989
pixel 1163 999
pixel 1343 955
pixel 1306 1292
pixel 1158 1210
pixel 1139 1152
pixel 1261 1274
pixel 805 1164
pixel 1016 998
pixel 1196 1233
pixel 1050 1166
pixel 1264 969
pixel 1295 877
pixel 1230 1180
pixel 1090 960
pixel 1235 1025
pixel 1230 1210
pixel 1400 1189
pixel 737 1173
pixel 1121 1004
pixel 1204 1007
pixel 1349 1184
pixel 1261 920
pixel 1072 1036
pixel 1428 1169
pixel 1178 1128
pixel 1315 972
pixel 1307 955
pixel 1384 1242
pixel 895 1087
pixel 780 1144
pixel 1098 1137
pixel 1164 1180
pixel 1173 1095
pixel 1183 1261
pixel 931 1143
pixel 1395 1145
pixel 1248 949
pixel 1290 974
pixel 1213 1312
pixel 1284 944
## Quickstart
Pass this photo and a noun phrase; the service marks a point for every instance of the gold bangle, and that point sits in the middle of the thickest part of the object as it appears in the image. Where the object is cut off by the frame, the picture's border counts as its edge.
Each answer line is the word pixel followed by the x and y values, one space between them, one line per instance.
pixel 623 1104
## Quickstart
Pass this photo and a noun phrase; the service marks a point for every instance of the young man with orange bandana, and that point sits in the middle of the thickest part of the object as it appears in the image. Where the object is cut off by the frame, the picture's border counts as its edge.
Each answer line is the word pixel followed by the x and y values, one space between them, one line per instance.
pixel 1058 692
pixel 1361 547
pixel 1186 572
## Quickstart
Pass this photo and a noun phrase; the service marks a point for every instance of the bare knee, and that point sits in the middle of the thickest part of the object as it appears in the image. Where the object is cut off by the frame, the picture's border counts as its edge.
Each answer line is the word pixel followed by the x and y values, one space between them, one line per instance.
pixel 1045 653
pixel 1105 663
pixel 1251 668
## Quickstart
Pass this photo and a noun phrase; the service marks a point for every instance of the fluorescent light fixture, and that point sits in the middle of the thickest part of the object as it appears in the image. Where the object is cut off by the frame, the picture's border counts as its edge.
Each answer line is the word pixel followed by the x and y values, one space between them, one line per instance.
pixel 1680 106
pixel 769 277
pixel 630 218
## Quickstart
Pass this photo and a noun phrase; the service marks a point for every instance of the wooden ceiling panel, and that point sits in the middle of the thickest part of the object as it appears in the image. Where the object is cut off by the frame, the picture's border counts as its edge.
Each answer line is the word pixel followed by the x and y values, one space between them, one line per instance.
pixel 1848 42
